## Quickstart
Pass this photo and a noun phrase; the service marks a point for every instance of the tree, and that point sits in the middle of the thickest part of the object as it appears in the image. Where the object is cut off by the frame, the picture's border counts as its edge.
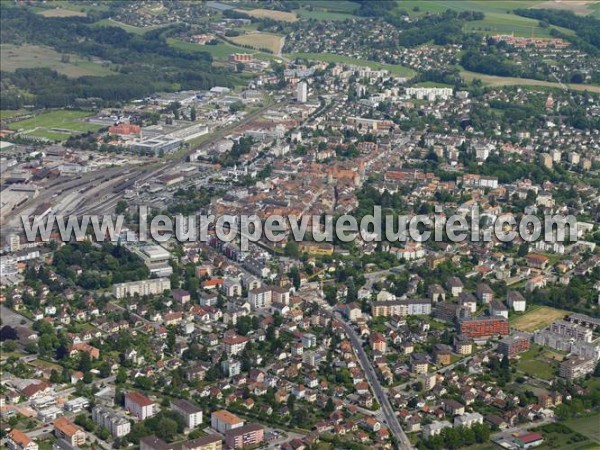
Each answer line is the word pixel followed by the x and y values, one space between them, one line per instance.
pixel 104 370
pixel 8 333
pixel 329 406
pixel 121 376
pixel 193 114
pixel 121 207
pixel 54 377
pixel 88 377
pixel 85 362
pixel 9 346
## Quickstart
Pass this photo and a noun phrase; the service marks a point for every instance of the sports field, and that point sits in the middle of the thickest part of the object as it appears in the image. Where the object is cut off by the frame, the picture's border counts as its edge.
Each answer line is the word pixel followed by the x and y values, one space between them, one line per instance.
pixel 394 69
pixel 272 42
pixel 28 56
pixel 55 125
pixel 538 318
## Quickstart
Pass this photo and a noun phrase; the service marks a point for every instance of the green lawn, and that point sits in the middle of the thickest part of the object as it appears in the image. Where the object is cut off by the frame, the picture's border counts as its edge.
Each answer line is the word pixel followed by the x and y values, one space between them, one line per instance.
pixel 220 51
pixel 55 125
pixel 543 365
pixel 588 426
pixel 397 70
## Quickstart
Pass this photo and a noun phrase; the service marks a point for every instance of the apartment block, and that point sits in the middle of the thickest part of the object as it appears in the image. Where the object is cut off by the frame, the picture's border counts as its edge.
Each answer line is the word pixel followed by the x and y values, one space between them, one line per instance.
pixel 192 414
pixel 139 405
pixel 513 345
pixel 117 424
pixel 223 421
pixel 244 437
pixel 484 327
pixel 153 286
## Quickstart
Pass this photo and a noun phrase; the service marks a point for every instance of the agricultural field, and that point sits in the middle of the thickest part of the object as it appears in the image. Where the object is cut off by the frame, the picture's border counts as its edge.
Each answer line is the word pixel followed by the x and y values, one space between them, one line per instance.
pixel 493 80
pixel 396 70
pixel 582 7
pixel 538 318
pixel 61 12
pixel 28 56
pixel 272 42
pixel 327 10
pixel 55 125
pixel 588 426
pixel 283 16
pixel 498 15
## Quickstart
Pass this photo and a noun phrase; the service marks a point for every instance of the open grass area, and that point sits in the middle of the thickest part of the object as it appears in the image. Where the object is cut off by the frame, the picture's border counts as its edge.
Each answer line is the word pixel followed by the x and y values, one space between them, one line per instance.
pixel 493 80
pixel 560 436
pixel 397 70
pixel 498 15
pixel 589 426
pixel 219 51
pixel 126 27
pixel 61 12
pixel 581 7
pixel 338 6
pixel 13 57
pixel 10 113
pixel 537 318
pixel 283 16
pixel 55 125
pixel 538 363
pixel 272 42
pixel 327 10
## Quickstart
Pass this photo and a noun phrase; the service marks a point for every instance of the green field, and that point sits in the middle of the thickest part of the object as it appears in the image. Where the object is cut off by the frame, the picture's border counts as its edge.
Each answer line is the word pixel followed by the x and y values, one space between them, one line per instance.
pixel 220 51
pixel 588 426
pixel 126 27
pixel 28 56
pixel 327 10
pixel 543 365
pixel 493 80
pixel 55 125
pixel 329 57
pixel 498 15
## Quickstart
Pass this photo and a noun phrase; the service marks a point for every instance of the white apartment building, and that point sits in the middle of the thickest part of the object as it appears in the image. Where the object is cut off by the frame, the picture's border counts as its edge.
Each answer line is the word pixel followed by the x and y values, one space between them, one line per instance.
pixel 117 424
pixel 143 287
pixel 192 414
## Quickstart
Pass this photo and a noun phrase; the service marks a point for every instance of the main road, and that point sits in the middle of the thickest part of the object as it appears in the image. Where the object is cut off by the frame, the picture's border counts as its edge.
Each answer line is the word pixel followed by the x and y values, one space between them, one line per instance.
pixel 386 407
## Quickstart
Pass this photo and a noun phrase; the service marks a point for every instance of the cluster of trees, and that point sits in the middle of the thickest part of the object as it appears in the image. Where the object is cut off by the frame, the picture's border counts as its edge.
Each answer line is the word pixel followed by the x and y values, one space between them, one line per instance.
pixel 146 63
pixel 241 147
pixel 190 200
pixel 101 266
pixel 381 8
pixel 454 438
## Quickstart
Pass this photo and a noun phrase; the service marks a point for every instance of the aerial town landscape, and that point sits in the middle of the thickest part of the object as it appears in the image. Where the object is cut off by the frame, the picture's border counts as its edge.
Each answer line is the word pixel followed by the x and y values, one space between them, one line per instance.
pixel 134 113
